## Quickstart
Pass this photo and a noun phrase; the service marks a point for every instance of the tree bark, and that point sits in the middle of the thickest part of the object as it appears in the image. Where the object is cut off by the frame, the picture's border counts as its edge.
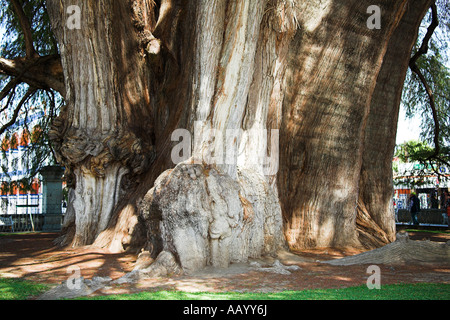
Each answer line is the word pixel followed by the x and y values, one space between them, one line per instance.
pixel 104 135
pixel 136 71
pixel 333 67
pixel 375 224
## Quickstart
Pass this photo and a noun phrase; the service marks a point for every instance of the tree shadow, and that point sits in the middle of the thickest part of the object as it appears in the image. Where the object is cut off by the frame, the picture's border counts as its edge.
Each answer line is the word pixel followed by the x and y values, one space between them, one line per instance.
pixel 34 257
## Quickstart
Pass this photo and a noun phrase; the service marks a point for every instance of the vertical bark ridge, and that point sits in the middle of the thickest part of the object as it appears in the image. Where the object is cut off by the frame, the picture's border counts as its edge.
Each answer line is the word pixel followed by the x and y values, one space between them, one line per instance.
pixel 376 186
pixel 336 59
pixel 102 136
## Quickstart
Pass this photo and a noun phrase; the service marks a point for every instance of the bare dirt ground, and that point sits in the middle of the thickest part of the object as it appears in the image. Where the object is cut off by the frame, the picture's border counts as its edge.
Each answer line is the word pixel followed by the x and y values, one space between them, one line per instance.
pixel 34 257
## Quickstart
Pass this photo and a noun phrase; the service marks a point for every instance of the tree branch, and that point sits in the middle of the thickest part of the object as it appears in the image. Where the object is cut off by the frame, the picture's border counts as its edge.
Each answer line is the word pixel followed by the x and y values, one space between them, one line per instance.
pixel 41 72
pixel 26 29
pixel 10 98
pixel 27 95
pixel 7 89
pixel 414 68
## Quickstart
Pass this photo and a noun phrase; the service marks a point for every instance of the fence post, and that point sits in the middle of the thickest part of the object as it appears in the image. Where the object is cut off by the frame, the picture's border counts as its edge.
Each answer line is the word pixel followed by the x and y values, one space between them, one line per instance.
pixel 52 197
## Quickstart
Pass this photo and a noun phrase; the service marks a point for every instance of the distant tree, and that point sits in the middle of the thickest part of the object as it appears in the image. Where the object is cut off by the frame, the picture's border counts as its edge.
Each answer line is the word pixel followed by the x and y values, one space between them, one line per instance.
pixel 418 154
pixel 427 86
pixel 413 151
pixel 28 64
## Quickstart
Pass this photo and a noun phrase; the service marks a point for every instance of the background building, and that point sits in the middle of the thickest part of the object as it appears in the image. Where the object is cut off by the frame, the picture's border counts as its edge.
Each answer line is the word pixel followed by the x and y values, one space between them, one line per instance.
pixel 422 179
pixel 23 154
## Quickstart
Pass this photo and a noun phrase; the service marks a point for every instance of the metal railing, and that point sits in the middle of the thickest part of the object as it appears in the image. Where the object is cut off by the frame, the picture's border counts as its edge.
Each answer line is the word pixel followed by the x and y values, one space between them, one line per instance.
pixel 24 222
pixel 425 216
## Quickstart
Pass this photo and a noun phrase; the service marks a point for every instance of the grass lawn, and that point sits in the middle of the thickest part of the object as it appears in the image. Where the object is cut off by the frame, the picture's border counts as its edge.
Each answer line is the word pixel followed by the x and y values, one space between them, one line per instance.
pixel 427 231
pixel 423 291
pixel 17 289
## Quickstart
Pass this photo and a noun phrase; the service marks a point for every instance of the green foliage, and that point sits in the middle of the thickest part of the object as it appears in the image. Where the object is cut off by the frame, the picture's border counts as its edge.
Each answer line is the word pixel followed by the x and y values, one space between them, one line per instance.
pixel 47 102
pixel 435 68
pixel 417 153
pixel 18 289
pixel 413 151
pixel 38 153
pixel 13 39
pixel 428 231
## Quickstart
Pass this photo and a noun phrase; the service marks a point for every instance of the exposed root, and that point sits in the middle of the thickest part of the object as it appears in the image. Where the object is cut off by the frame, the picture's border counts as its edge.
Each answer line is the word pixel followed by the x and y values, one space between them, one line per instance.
pixel 165 265
pixel 402 251
pixel 370 233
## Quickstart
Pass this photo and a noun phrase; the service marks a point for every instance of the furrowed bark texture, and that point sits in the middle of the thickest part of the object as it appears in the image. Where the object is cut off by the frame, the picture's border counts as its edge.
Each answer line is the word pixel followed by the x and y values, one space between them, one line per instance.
pixel 374 220
pixel 104 135
pixel 210 211
pixel 334 62
pixel 239 76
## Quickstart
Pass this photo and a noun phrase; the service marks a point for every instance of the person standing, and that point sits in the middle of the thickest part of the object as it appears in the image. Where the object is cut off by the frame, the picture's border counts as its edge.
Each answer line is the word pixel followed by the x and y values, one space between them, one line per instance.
pixel 414 208
pixel 447 207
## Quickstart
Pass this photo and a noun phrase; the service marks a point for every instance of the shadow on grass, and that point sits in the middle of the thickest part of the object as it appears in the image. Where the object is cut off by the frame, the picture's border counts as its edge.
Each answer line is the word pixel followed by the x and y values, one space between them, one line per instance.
pixel 422 291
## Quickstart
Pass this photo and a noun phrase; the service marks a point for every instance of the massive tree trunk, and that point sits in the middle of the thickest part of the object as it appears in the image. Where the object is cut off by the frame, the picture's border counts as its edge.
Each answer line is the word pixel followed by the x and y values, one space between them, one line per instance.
pixel 239 76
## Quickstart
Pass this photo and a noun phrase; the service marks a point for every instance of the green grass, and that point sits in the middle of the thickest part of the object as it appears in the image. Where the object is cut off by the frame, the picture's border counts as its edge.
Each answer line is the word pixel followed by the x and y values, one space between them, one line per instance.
pixel 423 291
pixel 17 289
pixel 427 231
pixel 9 234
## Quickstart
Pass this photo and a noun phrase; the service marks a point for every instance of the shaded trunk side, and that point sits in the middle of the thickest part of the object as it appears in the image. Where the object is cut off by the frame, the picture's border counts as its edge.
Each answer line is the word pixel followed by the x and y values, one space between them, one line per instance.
pixel 333 64
pixel 375 219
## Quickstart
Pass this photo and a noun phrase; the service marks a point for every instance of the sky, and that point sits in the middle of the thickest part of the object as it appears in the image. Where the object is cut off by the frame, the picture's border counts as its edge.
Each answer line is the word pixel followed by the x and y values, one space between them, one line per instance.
pixel 407 129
